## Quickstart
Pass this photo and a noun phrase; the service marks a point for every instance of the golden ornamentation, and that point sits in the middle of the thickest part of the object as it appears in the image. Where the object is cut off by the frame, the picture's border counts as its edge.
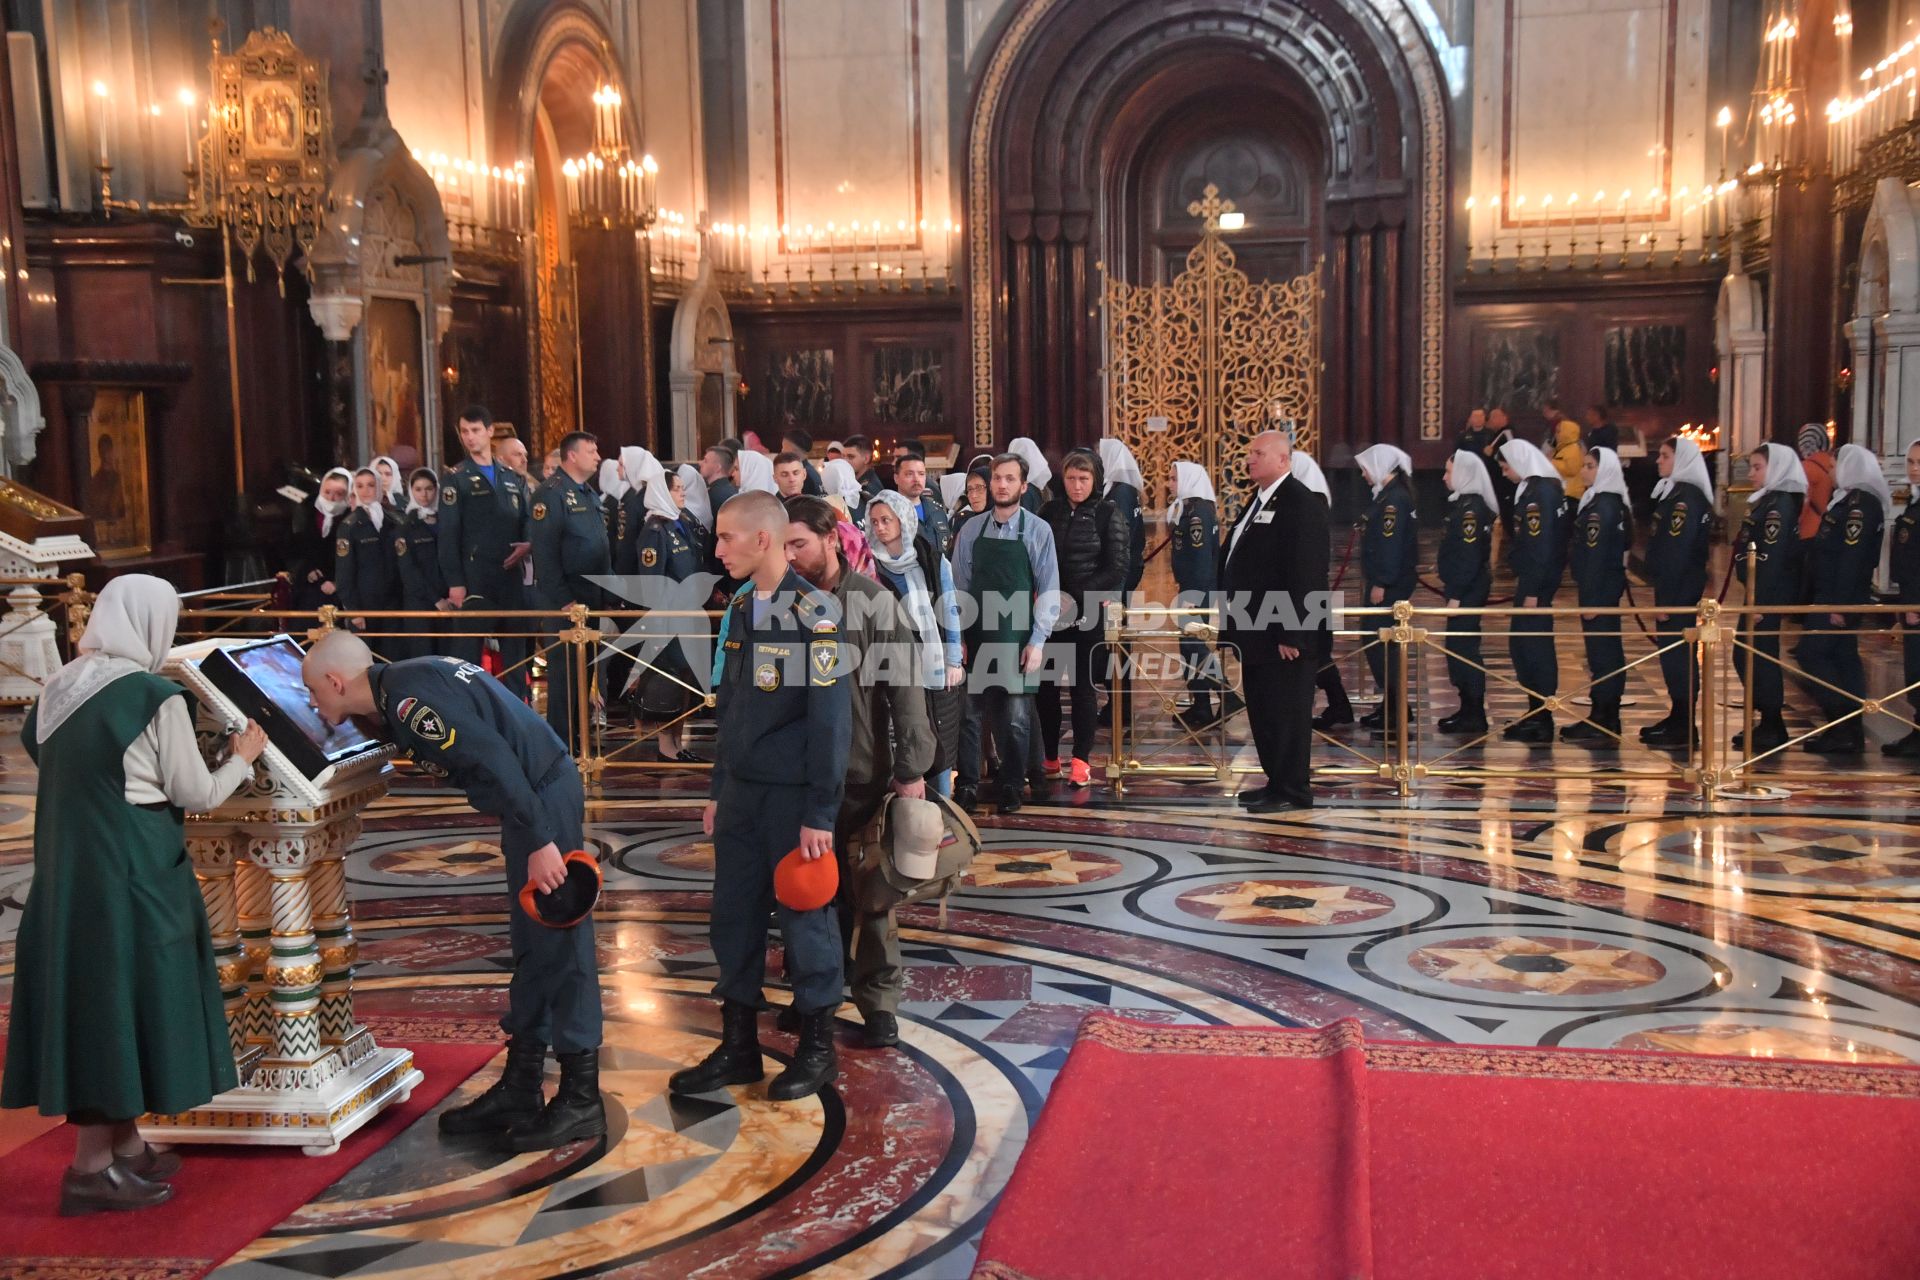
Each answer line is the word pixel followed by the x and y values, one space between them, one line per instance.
pixel 1213 354
pixel 28 501
pixel 233 973
pixel 335 959
pixel 289 977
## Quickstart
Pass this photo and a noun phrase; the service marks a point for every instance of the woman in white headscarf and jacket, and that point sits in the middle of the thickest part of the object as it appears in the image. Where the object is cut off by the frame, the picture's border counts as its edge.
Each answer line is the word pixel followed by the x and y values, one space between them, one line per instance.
pixel 1677 567
pixel 1769 557
pixel 116 1006
pixel 1602 534
pixel 1389 565
pixel 1538 557
pixel 1466 575
pixel 1840 563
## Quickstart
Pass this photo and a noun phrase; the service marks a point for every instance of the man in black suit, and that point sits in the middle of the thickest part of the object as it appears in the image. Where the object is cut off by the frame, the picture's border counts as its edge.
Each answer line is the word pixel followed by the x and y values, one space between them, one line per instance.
pixel 1273 580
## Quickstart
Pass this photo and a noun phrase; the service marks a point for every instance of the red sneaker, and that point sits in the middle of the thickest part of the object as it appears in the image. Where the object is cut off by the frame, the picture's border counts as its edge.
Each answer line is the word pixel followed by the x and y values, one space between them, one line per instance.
pixel 1051 768
pixel 1081 775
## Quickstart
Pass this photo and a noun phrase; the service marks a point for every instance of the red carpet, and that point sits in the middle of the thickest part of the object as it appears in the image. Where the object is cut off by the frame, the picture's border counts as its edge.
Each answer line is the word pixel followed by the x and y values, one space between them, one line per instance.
pixel 224 1198
pixel 1222 1152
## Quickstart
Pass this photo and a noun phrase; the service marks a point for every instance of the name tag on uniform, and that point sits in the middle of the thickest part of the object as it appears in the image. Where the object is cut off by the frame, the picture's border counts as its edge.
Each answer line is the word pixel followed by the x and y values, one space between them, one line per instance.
pixel 1265 517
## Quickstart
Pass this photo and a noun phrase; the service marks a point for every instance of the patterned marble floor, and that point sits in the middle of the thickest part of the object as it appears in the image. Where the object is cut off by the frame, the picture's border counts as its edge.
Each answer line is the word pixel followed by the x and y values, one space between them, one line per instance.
pixel 1475 917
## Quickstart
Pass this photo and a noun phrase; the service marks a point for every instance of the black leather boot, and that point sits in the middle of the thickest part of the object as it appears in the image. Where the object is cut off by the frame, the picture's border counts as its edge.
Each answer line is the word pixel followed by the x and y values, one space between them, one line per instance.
pixel 736 1060
pixel 514 1097
pixel 814 1062
pixel 1470 720
pixel 1769 731
pixel 574 1114
pixel 1602 727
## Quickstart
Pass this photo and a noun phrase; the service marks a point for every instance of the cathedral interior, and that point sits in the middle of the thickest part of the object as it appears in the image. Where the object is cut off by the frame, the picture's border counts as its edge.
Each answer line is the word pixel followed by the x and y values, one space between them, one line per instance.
pixel 244 243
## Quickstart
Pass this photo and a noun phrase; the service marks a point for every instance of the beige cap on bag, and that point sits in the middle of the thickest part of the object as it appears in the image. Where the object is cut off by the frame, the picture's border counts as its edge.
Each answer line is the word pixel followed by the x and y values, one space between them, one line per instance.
pixel 915 829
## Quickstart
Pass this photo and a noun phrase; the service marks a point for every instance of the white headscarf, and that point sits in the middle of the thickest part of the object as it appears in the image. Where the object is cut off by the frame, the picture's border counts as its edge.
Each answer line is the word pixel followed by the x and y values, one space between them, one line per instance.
pixel 1527 461
pixel 331 511
pixel 644 472
pixel 1308 473
pixel 130 629
pixel 1378 463
pixel 377 509
pixel 1607 477
pixel 1118 462
pixel 1855 467
pixel 1190 480
pixel 397 491
pixel 413 506
pixel 953 487
pixel 1038 472
pixel 756 472
pixel 1470 476
pixel 612 485
pixel 919 593
pixel 1688 468
pixel 1784 473
pixel 699 502
pixel 837 478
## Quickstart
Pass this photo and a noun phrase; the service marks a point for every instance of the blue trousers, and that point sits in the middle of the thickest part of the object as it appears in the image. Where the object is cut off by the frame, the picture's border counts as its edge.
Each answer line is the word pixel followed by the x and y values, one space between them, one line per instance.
pixel 555 993
pixel 755 825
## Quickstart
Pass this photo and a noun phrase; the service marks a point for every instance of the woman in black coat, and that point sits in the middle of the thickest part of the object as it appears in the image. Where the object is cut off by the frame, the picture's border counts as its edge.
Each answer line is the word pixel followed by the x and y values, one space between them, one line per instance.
pixel 1677 566
pixel 422 585
pixel 1466 575
pixel 1602 533
pixel 1840 565
pixel 1538 557
pixel 1904 564
pixel 1768 556
pixel 1389 566
pixel 1090 538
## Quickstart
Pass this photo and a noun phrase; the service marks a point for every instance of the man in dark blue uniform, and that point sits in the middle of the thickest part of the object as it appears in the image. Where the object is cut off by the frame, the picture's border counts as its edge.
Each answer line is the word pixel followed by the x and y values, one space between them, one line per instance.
pixel 785 711
pixel 483 540
pixel 459 723
pixel 910 481
pixel 569 549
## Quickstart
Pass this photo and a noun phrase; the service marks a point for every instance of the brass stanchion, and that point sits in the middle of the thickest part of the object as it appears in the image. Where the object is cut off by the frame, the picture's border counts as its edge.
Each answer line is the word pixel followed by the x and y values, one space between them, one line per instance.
pixel 1401 636
pixel 1115 621
pixel 1744 787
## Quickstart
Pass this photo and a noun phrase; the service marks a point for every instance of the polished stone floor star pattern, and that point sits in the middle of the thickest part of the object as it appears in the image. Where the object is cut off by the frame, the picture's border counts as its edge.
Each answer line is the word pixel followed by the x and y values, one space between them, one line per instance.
pixel 1554 967
pixel 1287 902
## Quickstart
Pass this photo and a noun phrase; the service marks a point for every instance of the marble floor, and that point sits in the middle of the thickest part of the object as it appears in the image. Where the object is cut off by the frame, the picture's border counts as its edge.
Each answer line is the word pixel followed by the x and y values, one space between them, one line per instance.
pixel 1585 910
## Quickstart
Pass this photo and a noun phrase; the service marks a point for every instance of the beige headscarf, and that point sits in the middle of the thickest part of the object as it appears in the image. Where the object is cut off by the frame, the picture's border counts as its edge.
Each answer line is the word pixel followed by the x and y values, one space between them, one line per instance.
pixel 130 629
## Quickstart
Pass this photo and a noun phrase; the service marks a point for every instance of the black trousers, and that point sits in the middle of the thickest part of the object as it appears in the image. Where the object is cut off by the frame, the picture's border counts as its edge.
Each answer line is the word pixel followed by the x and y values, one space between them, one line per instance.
pixel 513 648
pixel 568 674
pixel 1767 691
pixel 1386 660
pixel 1280 709
pixel 554 996
pixel 754 826
pixel 1677 666
pixel 1910 665
pixel 1835 658
pixel 1008 716
pixel 1327 680
pixel 1530 644
pixel 1463 640
pixel 1084 695
pixel 1605 653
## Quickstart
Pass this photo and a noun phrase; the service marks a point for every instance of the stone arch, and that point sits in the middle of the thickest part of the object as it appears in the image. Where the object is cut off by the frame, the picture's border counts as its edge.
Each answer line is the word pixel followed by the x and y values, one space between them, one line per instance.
pixel 1884 334
pixel 1059 76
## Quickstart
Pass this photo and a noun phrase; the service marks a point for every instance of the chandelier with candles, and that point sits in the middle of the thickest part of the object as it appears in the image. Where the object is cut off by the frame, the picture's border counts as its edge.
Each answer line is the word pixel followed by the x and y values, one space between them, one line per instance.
pixel 607 188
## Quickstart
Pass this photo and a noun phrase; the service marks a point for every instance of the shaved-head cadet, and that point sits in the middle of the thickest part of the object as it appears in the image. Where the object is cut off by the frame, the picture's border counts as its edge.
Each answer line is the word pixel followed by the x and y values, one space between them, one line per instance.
pixel 459 723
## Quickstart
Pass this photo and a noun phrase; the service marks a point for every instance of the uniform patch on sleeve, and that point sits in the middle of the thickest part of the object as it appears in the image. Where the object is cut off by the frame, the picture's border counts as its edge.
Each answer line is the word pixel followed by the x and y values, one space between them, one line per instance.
pixel 426 723
pixel 449 494
pixel 539 511
pixel 1856 526
pixel 1593 533
pixel 824 656
pixel 1469 527
pixel 649 557
pixel 1678 524
pixel 1388 519
pixel 342 547
pixel 1772 528
pixel 405 708
pixel 1533 521
pixel 1199 534
pixel 822 626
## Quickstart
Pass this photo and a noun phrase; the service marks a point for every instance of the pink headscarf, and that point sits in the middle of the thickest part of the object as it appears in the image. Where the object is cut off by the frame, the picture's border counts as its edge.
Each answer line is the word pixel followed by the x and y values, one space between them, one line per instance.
pixel 854 549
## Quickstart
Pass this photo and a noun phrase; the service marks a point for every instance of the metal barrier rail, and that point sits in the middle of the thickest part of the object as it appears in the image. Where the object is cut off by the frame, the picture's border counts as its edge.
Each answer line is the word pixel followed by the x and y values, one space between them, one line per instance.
pixel 1723 643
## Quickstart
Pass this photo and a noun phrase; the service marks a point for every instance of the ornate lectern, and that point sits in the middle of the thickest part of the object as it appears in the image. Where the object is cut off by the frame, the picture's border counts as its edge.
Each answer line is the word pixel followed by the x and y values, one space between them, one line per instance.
pixel 37 535
pixel 270 862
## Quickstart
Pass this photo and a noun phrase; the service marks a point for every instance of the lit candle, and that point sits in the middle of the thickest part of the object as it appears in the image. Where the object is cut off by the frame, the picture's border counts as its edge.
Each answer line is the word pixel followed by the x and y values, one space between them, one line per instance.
pixel 186 119
pixel 104 101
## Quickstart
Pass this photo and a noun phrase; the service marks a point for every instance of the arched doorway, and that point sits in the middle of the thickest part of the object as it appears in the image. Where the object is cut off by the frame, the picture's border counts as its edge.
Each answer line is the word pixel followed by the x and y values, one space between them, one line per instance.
pixel 1091 113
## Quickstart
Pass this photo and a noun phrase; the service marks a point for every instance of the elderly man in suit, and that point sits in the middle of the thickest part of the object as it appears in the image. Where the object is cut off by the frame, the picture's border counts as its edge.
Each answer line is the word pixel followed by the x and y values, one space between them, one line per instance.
pixel 1273 580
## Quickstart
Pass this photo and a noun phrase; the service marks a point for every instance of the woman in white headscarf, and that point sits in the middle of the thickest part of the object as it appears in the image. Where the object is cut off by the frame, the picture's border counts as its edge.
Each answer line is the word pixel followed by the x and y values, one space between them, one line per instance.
pixel 313 557
pixel 1602 534
pixel 367 568
pixel 1327 679
pixel 1840 564
pixel 666 687
pixel 1466 576
pixel 116 1006
pixel 918 573
pixel 1903 565
pixel 1539 510
pixel 843 489
pixel 1127 490
pixel 753 472
pixel 1193 534
pixel 1768 555
pixel 391 484
pixel 1389 566
pixel 1677 549
pixel 699 503
pixel 1038 472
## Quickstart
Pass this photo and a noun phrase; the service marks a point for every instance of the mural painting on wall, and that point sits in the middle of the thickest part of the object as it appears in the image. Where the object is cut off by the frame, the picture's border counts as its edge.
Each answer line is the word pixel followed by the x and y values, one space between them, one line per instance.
pixel 116 489
pixel 395 386
pixel 797 389
pixel 910 386
pixel 1646 364
pixel 1519 369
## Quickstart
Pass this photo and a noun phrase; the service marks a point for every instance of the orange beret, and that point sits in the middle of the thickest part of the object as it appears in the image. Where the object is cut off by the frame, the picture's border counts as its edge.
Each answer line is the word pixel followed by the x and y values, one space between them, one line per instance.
pixel 803 885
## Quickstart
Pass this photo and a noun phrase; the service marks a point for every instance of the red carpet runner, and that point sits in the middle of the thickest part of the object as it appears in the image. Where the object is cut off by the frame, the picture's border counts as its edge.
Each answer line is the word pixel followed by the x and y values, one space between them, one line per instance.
pixel 1222 1152
pixel 224 1197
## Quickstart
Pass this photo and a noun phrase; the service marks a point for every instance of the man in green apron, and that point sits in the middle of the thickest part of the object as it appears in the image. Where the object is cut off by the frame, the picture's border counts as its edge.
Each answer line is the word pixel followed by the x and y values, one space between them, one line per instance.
pixel 1007 567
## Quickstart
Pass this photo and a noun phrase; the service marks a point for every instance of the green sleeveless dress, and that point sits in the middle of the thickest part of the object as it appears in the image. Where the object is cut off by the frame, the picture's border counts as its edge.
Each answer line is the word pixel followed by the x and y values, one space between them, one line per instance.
pixel 116 1005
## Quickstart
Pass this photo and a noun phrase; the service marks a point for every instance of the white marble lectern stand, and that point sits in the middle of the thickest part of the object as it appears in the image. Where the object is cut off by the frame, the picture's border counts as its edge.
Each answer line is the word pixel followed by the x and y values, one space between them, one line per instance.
pixel 270 862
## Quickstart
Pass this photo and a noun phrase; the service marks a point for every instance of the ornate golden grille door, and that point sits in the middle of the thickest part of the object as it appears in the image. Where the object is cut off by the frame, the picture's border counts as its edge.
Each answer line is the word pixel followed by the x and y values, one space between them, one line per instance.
pixel 1216 356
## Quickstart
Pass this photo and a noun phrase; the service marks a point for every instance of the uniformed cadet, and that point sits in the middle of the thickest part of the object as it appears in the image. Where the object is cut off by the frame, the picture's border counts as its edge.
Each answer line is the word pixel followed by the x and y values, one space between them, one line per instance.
pixel 484 537
pixel 458 722
pixel 1903 563
pixel 785 725
pixel 1768 556
pixel 569 548
pixel 1538 558
pixel 1677 567
pixel 1601 536
pixel 623 531
pixel 367 563
pixel 662 546
pixel 313 554
pixel 1193 533
pixel 422 585
pixel 612 488
pixel 1465 566
pixel 1840 565
pixel 1389 565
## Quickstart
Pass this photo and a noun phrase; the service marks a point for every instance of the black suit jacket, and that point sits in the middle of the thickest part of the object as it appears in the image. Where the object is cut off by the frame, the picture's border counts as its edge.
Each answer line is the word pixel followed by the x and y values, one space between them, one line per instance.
pixel 1287 555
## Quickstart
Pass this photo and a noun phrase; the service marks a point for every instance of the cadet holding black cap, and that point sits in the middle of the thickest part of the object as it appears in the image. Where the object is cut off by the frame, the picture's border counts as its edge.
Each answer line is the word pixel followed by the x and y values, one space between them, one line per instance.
pixel 459 723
